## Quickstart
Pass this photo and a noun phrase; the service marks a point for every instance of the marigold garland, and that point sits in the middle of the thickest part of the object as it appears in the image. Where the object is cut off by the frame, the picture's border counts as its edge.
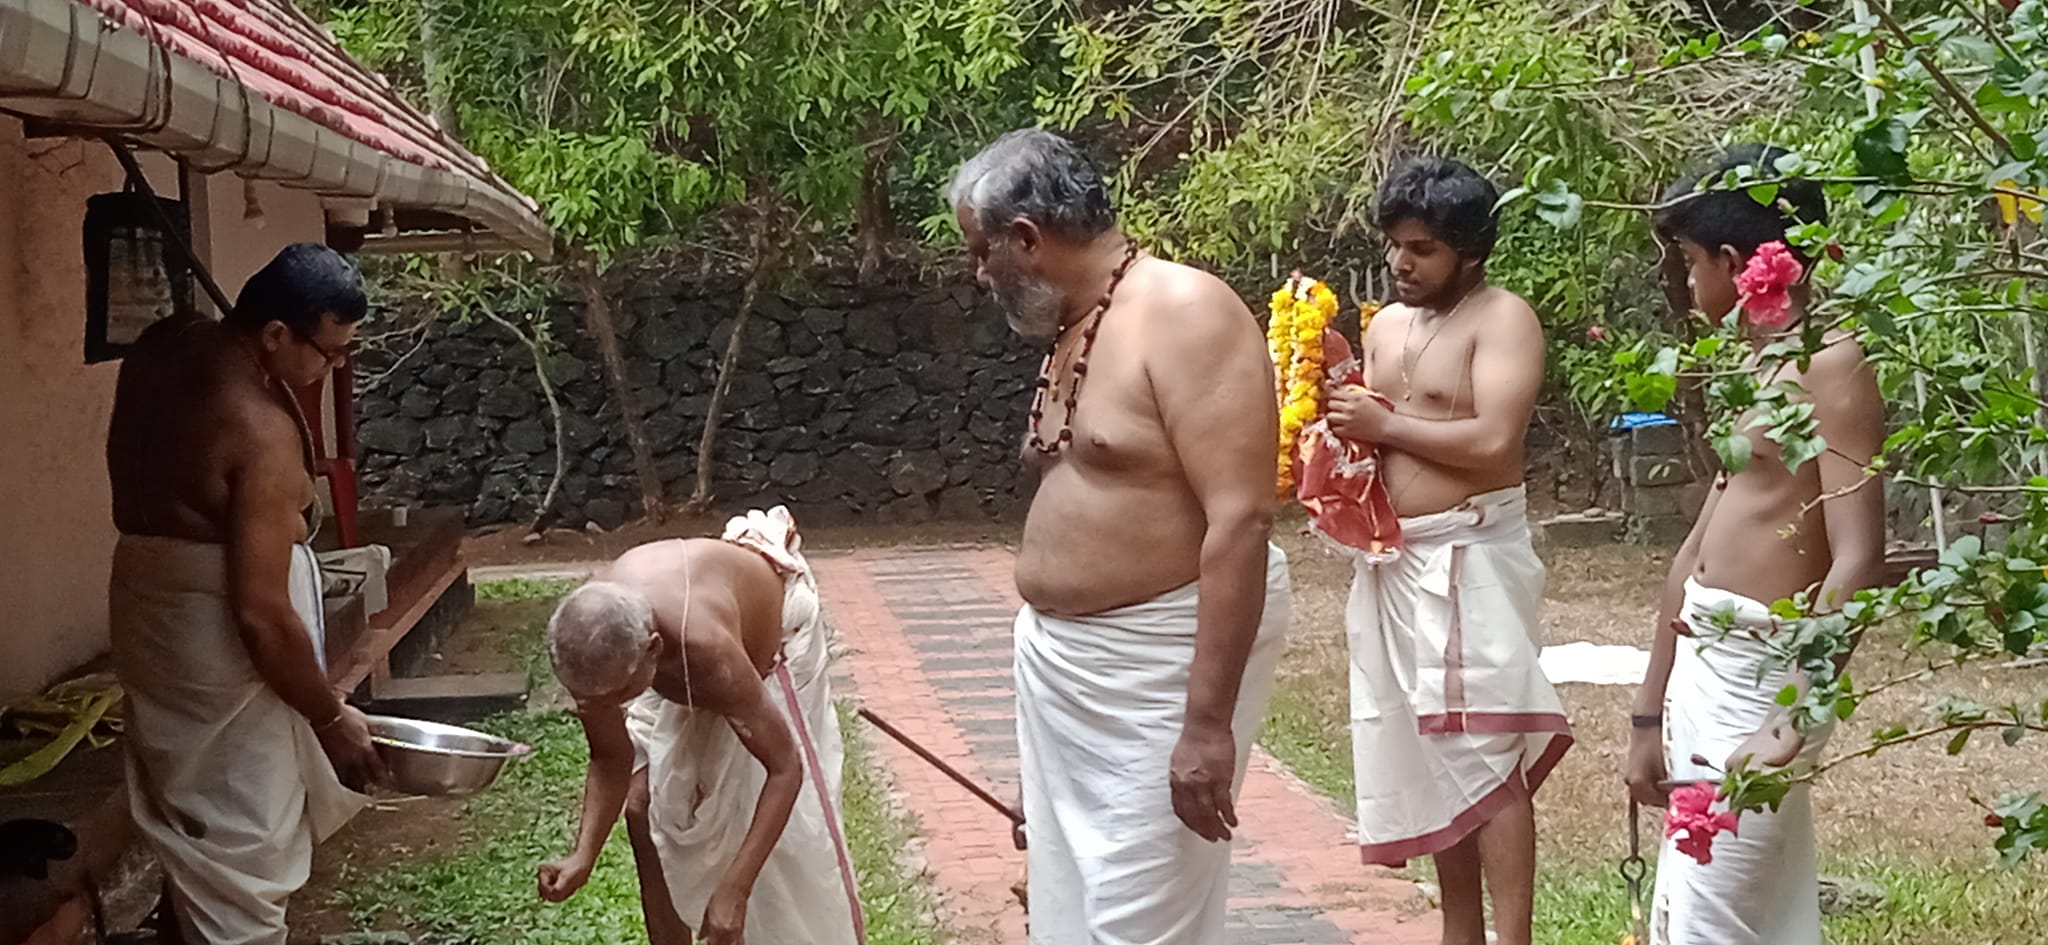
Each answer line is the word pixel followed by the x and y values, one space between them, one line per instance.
pixel 1301 309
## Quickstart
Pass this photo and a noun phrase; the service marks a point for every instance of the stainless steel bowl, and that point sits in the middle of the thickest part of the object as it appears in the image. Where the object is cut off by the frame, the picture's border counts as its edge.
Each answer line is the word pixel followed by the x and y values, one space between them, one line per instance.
pixel 436 760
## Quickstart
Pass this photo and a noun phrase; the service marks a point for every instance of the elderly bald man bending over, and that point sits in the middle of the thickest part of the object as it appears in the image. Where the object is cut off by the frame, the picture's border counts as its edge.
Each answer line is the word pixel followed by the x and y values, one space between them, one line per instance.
pixel 698 667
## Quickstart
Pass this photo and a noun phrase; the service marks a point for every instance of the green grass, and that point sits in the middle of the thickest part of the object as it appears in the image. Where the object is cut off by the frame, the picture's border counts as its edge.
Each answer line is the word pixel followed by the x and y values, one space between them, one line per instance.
pixel 511 590
pixel 899 903
pixel 1584 902
pixel 1315 745
pixel 483 890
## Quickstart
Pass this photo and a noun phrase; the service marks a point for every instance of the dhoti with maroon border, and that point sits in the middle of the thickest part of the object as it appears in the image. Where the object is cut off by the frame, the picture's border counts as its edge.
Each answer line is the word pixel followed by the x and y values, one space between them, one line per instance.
pixel 703 784
pixel 1451 716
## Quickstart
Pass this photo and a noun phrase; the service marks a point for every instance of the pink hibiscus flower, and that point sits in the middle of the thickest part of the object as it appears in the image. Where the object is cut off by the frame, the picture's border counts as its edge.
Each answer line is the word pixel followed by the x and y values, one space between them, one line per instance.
pixel 1692 814
pixel 1765 284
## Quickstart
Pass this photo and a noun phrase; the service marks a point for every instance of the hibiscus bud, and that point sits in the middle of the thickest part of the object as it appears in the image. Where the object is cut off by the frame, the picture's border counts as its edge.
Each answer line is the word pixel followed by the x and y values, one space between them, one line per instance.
pixel 1990 518
pixel 1596 333
pixel 2009 5
pixel 1993 820
pixel 1835 251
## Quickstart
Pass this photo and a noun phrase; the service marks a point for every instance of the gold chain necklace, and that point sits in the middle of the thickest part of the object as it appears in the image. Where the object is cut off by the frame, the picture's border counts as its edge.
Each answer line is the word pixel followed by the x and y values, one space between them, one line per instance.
pixel 1407 366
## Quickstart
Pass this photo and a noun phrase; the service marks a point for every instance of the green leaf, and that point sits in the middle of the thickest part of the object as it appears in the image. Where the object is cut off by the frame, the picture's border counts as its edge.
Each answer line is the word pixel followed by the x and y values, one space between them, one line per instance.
pixel 1788 696
pixel 1962 739
pixel 1880 148
pixel 1765 194
pixel 1734 451
pixel 2011 736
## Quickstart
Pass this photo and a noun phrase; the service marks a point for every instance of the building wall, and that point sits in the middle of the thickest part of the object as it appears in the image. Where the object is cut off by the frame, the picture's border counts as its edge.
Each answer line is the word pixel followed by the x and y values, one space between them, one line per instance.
pixel 56 531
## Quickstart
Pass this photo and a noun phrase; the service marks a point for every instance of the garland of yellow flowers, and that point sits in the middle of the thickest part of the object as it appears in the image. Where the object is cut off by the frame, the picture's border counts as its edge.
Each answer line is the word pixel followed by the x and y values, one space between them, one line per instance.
pixel 1301 309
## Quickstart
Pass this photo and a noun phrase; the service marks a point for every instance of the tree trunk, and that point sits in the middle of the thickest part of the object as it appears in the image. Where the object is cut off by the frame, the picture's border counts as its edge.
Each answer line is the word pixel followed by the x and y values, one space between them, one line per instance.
pixel 875 222
pixel 597 320
pixel 766 252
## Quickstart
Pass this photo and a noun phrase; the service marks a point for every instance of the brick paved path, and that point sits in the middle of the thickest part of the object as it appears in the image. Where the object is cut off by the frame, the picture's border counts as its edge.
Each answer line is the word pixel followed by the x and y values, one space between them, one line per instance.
pixel 928 635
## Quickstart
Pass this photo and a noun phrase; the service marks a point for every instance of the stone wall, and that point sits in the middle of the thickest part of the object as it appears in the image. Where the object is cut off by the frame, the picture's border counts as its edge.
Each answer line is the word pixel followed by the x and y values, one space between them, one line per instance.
pixel 895 403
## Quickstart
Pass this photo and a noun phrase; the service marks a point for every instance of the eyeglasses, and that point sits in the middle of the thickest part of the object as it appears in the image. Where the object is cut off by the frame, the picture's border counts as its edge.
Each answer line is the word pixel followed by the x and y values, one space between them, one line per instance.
pixel 334 356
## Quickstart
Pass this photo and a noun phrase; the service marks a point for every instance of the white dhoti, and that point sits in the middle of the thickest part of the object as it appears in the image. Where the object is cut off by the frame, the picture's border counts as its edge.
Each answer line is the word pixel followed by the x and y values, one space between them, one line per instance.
pixel 1451 716
pixel 227 784
pixel 1101 702
pixel 1763 885
pixel 703 784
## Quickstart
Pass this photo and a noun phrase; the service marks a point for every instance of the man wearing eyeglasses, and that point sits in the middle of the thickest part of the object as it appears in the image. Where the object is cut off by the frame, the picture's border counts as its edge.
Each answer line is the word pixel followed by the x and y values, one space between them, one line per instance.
pixel 240 755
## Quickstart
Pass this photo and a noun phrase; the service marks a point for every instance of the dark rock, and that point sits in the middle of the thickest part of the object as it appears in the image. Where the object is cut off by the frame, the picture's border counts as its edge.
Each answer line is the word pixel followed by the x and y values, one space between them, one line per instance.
pixel 580 433
pixel 879 418
pixel 507 402
pixel 917 474
pixel 873 332
pixel 401 437
pixel 565 369
pixel 443 433
pixel 856 474
pixel 681 377
pixel 997 476
pixel 666 431
pixel 832 424
pixel 794 469
pixel 465 352
pixel 438 375
pixel 908 510
pixel 961 505
pixel 761 416
pixel 785 365
pixel 607 513
pixel 662 339
pixel 527 437
pixel 822 321
pixel 776 309
pixel 800 340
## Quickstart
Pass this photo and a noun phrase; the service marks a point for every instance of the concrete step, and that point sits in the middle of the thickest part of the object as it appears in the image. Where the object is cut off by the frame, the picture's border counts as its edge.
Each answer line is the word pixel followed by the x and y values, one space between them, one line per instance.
pixel 451 699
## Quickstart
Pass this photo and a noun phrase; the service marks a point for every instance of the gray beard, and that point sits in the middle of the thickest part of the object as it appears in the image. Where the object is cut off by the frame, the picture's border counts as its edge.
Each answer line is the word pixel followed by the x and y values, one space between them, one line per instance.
pixel 1032 308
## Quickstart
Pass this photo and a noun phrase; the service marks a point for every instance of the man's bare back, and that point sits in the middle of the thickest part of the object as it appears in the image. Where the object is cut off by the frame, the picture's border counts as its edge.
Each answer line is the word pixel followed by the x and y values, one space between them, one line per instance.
pixel 1440 351
pixel 1115 520
pixel 719 588
pixel 1761 532
pixel 190 409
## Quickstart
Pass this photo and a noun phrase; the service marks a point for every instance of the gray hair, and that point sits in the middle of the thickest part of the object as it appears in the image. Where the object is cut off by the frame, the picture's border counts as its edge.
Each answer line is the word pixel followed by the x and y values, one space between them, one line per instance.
pixel 1035 175
pixel 598 636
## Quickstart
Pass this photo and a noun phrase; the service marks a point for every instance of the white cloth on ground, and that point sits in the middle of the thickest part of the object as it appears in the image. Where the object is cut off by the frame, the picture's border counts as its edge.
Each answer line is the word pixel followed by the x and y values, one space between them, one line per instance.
pixel 1101 702
pixel 703 784
pixel 227 784
pixel 1450 712
pixel 1763 886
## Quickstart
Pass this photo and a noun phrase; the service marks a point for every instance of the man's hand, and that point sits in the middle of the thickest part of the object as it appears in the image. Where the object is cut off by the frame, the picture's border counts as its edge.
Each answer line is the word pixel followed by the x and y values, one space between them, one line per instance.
pixel 1017 836
pixel 1200 774
pixel 1773 746
pixel 561 878
pixel 346 740
pixel 1643 768
pixel 1357 414
pixel 725 916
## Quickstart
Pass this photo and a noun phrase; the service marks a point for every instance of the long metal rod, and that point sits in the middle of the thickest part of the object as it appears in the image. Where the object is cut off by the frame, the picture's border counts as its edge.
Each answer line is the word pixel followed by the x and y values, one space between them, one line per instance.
pixel 944 768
